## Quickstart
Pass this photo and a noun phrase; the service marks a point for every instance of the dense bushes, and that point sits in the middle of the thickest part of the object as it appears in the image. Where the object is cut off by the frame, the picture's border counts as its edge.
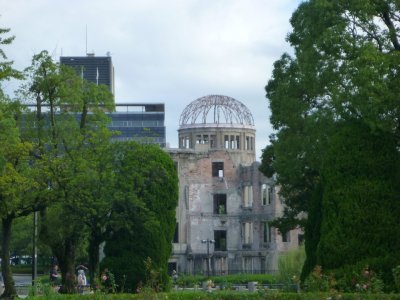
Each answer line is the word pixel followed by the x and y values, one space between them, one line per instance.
pixel 143 218
pixel 360 278
pixel 360 209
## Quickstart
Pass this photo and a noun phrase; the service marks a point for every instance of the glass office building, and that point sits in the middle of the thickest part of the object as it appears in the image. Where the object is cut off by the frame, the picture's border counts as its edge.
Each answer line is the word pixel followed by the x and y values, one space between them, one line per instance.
pixel 97 69
pixel 142 122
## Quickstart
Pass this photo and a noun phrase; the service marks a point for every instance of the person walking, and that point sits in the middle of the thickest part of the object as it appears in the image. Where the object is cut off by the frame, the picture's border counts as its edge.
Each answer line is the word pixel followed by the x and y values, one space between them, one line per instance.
pixel 54 276
pixel 81 281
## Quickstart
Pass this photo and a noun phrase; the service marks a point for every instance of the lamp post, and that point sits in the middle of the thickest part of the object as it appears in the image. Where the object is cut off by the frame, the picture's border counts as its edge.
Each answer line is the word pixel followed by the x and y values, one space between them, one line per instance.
pixel 208 242
pixel 34 248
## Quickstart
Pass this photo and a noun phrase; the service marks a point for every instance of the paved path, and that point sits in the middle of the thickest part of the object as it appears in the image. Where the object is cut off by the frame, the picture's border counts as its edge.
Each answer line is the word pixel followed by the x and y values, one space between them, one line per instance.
pixel 22 282
pixel 22 279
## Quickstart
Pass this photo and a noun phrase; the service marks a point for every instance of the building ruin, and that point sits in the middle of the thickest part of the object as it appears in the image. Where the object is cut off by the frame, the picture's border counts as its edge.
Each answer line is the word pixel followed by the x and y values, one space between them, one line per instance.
pixel 225 203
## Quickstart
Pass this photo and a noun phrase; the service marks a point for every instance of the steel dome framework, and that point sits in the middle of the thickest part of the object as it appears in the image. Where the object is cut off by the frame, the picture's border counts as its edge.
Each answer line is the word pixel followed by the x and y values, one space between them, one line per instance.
pixel 216 109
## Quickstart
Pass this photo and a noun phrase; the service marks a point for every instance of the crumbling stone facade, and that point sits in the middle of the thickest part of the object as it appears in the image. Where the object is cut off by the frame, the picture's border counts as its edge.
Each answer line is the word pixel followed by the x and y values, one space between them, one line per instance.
pixel 225 203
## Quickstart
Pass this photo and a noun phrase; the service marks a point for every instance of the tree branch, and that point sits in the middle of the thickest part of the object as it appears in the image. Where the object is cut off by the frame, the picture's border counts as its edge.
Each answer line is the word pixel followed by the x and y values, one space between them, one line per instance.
pixel 392 29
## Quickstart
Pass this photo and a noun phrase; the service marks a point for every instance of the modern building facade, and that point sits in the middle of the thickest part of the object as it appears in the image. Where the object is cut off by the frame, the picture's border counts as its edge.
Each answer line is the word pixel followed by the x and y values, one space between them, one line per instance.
pixel 97 69
pixel 141 122
pixel 225 203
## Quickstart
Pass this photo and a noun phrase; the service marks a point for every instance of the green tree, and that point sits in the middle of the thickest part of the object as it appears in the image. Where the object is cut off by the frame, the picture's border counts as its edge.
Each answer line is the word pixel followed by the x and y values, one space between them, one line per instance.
pixel 16 185
pixel 14 169
pixel 21 240
pixel 6 70
pixel 68 119
pixel 143 217
pixel 343 75
pixel 93 195
pixel 360 201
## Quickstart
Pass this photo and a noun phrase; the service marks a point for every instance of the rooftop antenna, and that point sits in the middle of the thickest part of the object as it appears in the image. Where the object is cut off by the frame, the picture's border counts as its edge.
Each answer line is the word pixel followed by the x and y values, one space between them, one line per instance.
pixel 54 53
pixel 86 40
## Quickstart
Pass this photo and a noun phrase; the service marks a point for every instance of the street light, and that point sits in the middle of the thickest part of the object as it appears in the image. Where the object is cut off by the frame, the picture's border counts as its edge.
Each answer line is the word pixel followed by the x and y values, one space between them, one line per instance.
pixel 208 242
pixel 34 248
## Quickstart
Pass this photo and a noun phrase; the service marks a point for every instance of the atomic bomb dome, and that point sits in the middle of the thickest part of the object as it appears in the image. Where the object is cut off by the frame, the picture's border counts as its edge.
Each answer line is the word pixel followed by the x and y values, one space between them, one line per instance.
pixel 218 122
pixel 216 109
pixel 223 197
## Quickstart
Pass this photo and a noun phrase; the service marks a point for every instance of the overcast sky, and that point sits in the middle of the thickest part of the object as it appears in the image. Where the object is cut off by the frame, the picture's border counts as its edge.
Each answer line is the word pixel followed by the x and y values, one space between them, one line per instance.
pixel 171 51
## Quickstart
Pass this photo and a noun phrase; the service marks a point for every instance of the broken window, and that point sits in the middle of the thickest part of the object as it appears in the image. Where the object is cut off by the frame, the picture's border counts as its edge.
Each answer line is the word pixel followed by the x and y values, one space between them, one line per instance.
pixel 247 232
pixel 212 141
pixel 286 237
pixel 266 194
pixel 176 234
pixel 218 169
pixel 233 143
pixel 248 196
pixel 266 232
pixel 220 204
pixel 226 141
pixel 220 240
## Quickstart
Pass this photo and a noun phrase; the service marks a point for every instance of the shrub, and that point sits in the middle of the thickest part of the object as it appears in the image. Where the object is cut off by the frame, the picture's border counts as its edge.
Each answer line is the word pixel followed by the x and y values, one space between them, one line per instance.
pixel 190 281
pixel 396 277
pixel 349 279
pixel 227 280
pixel 290 266
pixel 317 281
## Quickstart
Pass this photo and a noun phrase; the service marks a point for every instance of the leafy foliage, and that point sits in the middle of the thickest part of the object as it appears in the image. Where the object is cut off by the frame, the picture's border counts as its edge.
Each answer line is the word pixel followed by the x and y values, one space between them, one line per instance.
pixel 143 215
pixel 17 184
pixel 190 281
pixel 335 108
pixel 6 70
pixel 65 139
pixel 396 275
pixel 290 265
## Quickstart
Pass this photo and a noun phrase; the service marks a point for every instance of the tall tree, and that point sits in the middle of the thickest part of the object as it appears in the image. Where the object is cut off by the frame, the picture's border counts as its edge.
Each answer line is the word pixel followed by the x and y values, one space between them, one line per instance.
pixel 69 115
pixel 93 195
pixel 360 201
pixel 6 70
pixel 143 217
pixel 344 75
pixel 16 185
pixel 13 165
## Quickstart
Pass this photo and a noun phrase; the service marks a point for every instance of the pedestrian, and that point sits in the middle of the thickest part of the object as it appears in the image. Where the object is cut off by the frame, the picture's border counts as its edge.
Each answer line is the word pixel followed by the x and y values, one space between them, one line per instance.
pixel 54 276
pixel 81 280
pixel 174 276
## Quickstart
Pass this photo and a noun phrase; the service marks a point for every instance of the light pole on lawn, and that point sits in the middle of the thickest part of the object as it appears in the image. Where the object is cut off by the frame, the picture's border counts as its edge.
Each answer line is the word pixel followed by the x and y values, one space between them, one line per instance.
pixel 208 242
pixel 34 248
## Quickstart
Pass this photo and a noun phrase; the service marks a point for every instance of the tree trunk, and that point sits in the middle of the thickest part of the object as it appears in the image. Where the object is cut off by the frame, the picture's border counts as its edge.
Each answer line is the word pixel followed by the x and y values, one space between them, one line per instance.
pixel 67 267
pixel 9 287
pixel 94 267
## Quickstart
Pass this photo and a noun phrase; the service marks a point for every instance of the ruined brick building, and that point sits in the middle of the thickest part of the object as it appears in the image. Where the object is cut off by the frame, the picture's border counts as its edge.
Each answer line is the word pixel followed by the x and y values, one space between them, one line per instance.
pixel 225 203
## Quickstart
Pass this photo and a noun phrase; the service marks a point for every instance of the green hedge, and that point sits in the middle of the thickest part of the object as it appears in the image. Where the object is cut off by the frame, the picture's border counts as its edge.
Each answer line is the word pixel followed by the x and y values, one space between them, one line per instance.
pixel 27 269
pixel 223 295
pixel 191 281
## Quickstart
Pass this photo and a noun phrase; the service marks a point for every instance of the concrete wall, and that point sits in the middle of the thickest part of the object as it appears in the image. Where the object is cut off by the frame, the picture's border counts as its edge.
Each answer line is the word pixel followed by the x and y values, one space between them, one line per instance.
pixel 198 219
